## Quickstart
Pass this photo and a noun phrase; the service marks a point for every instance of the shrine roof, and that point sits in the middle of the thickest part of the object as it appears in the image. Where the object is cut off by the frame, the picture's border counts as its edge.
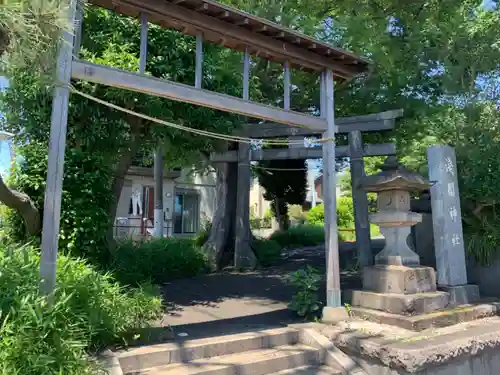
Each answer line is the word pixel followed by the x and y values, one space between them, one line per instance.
pixel 235 29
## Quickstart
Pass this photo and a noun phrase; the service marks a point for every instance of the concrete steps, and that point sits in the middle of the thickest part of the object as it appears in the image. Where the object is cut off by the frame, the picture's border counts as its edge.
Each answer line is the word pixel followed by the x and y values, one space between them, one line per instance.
pixel 255 362
pixel 275 351
pixel 311 370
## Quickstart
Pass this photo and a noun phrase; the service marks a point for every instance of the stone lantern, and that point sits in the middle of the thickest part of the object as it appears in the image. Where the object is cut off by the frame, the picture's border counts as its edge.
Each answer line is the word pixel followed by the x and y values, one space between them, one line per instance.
pixel 397 283
pixel 393 186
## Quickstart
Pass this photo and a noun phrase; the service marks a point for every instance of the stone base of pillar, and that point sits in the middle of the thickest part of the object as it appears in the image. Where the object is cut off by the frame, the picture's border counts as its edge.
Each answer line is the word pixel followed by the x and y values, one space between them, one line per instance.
pixel 400 290
pixel 408 297
pixel 402 304
pixel 399 279
pixel 334 315
pixel 461 294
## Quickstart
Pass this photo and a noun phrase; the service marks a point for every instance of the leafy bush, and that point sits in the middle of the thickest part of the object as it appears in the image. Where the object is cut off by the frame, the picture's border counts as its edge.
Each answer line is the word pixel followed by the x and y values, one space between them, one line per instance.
pixel 296 213
pixel 345 213
pixel 316 215
pixel 89 311
pixel 305 302
pixel 86 197
pixel 157 260
pixel 203 234
pixel 268 252
pixel 258 223
pixel 299 236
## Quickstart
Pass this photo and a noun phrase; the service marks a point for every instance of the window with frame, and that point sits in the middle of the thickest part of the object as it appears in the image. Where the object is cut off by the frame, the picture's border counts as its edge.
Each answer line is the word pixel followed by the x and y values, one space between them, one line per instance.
pixel 186 212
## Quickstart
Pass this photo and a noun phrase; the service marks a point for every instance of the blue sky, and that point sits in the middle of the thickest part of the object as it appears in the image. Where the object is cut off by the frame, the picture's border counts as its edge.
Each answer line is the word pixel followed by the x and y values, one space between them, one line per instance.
pixel 4 147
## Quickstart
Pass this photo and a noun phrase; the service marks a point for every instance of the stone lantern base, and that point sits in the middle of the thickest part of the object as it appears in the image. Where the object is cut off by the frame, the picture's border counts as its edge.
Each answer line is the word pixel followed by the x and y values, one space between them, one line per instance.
pixel 404 290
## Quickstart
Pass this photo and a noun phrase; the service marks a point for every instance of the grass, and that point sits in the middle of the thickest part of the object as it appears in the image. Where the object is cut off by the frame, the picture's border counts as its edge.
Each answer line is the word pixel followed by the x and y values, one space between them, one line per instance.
pixel 90 311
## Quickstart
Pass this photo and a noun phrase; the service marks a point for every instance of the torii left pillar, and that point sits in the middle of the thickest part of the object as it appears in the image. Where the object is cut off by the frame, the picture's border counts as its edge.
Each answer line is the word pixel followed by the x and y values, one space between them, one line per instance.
pixel 55 168
pixel 244 258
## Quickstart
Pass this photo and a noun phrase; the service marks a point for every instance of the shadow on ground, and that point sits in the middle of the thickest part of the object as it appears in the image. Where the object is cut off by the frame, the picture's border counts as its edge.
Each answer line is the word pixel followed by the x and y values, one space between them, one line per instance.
pixel 230 302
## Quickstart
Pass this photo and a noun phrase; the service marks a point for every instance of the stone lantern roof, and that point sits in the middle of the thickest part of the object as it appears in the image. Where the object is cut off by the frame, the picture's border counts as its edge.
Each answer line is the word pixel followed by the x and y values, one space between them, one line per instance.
pixel 394 176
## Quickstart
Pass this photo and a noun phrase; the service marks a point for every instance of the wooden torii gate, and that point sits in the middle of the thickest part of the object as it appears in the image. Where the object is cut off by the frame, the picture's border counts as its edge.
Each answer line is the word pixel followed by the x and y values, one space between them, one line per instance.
pixel 356 150
pixel 217 23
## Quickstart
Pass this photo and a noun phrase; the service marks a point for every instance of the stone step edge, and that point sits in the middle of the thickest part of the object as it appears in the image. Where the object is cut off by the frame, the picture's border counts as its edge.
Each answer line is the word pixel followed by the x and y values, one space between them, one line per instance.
pixel 310 370
pixel 167 353
pixel 443 318
pixel 330 354
pixel 402 304
pixel 428 349
pixel 271 360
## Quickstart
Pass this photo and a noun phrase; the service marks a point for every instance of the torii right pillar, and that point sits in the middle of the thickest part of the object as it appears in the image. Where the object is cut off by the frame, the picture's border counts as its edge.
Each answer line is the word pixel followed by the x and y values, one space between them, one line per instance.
pixel 333 312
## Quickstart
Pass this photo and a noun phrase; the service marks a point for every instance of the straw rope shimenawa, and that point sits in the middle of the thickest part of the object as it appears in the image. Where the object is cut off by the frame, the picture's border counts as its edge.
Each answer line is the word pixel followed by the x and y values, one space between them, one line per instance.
pixel 225 137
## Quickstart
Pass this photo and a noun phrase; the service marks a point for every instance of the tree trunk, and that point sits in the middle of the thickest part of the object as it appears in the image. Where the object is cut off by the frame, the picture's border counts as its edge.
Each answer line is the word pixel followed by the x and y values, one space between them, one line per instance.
pixel 24 205
pixel 121 169
pixel 4 40
pixel 280 212
pixel 220 243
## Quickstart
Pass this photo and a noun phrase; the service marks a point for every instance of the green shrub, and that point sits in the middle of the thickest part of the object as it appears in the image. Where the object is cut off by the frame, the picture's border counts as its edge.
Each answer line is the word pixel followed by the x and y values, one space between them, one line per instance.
pixel 258 223
pixel 316 215
pixel 268 252
pixel 345 213
pixel 306 301
pixel 299 236
pixel 86 198
pixel 89 311
pixel 157 260
pixel 202 237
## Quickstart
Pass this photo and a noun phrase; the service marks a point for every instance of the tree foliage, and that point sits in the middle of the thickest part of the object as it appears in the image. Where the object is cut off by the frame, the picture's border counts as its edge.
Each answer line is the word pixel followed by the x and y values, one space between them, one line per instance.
pixel 102 142
pixel 282 188
pixel 30 32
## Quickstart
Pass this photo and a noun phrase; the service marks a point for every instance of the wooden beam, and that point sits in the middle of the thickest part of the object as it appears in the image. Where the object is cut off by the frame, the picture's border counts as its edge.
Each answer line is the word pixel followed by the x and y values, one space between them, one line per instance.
pixel 188 94
pixel 143 54
pixel 80 10
pixel 198 78
pixel 244 257
pixel 386 115
pixel 368 123
pixel 286 84
pixel 246 75
pixel 268 130
pixel 383 149
pixel 360 200
pixel 55 166
pixel 329 152
pixel 287 51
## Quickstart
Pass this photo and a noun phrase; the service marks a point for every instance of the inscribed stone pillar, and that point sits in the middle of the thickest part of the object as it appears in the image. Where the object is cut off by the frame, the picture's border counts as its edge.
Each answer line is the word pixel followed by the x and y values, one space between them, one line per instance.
pixel 446 217
pixel 360 200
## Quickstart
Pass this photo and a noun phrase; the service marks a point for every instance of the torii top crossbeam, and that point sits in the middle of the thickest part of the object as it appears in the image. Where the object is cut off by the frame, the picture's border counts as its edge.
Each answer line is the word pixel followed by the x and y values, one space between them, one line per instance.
pixel 238 30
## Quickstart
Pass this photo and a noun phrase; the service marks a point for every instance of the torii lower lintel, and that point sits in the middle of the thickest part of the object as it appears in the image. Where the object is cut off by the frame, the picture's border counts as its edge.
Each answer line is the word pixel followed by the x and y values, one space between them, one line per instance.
pixel 383 149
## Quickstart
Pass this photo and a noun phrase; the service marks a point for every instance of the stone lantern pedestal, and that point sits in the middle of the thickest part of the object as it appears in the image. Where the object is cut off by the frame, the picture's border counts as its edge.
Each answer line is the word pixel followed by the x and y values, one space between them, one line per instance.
pixel 397 283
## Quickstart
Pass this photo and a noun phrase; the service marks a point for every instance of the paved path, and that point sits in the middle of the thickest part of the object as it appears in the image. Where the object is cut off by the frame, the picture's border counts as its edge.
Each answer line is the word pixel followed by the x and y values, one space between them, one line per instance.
pixel 233 302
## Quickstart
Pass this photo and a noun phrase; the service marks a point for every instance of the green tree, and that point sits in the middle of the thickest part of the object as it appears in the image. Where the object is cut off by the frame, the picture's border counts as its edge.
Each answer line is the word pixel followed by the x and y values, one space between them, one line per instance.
pixel 283 188
pixel 29 34
pixel 439 62
pixel 371 167
pixel 102 142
